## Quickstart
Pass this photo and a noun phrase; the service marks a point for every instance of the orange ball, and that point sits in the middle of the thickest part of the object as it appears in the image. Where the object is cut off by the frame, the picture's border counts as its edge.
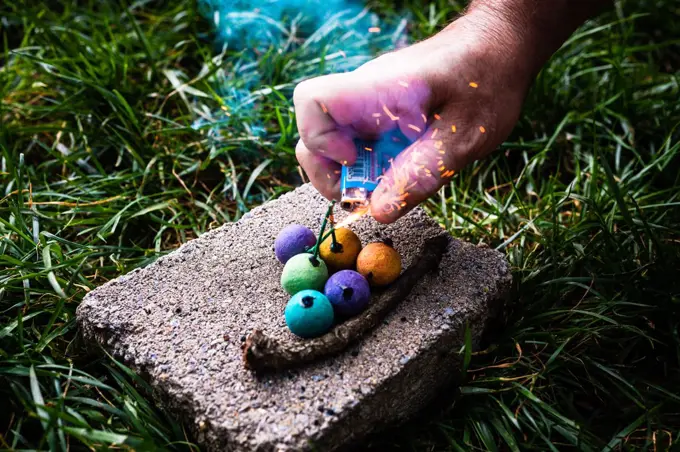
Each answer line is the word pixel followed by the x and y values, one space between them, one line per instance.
pixel 379 263
pixel 345 256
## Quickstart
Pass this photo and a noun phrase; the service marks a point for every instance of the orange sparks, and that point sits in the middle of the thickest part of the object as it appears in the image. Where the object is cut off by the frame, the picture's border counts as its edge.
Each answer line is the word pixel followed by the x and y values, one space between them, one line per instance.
pixel 482 129
pixel 453 129
pixel 323 108
pixel 412 127
pixel 376 115
pixel 441 168
pixel 368 149
pixel 377 121
pixel 438 144
pixel 389 113
pixel 440 163
pixel 442 151
pixel 403 83
pixel 437 117
pixel 424 118
pixel 473 85
pixel 374 30
pixel 344 162
pixel 448 173
pixel 434 133
pixel 328 176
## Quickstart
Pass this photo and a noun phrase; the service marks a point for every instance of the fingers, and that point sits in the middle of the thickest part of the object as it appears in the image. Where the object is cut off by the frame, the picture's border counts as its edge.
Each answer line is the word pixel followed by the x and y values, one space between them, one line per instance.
pixel 322 172
pixel 423 168
pixel 332 110
pixel 323 109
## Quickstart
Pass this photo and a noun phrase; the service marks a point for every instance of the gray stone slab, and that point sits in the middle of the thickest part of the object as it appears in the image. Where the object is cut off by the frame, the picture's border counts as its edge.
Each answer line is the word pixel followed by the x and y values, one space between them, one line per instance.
pixel 181 321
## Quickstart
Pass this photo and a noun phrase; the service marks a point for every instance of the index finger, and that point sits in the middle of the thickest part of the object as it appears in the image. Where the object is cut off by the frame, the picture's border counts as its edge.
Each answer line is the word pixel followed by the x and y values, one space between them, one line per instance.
pixel 420 171
pixel 320 130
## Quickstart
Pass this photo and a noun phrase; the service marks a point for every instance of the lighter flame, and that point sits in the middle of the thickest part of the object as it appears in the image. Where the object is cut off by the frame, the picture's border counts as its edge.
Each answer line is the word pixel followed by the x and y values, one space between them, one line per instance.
pixel 354 216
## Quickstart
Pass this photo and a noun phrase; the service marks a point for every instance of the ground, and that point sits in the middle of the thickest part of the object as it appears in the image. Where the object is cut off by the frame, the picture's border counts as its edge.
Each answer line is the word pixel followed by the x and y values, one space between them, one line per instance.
pixel 126 131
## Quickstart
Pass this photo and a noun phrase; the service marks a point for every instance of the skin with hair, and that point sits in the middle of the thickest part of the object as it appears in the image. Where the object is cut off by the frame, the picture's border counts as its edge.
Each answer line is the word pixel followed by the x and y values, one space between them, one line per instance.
pixel 457 95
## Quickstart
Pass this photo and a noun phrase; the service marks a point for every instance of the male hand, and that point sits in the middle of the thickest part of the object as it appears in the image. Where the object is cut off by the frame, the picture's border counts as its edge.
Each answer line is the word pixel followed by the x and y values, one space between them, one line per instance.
pixel 458 94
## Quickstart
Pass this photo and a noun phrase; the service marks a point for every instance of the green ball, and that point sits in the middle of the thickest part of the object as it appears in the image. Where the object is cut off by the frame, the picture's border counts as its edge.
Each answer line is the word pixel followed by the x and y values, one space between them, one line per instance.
pixel 304 272
pixel 309 314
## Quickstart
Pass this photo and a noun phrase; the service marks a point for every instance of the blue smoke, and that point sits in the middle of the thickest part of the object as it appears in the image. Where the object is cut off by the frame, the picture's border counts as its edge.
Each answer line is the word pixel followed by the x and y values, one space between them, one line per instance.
pixel 326 36
pixel 302 38
pixel 257 24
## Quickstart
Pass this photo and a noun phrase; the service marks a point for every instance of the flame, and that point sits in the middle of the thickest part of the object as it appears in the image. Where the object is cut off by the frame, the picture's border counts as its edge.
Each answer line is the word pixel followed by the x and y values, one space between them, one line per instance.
pixel 354 216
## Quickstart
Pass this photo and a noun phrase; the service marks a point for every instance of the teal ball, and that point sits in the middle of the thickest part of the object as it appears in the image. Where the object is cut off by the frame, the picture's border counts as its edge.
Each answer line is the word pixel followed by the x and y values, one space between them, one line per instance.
pixel 302 272
pixel 309 314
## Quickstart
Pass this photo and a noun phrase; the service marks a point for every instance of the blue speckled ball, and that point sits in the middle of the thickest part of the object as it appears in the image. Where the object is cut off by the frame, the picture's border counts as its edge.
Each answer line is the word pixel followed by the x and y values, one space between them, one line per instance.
pixel 309 314
pixel 293 239
pixel 348 292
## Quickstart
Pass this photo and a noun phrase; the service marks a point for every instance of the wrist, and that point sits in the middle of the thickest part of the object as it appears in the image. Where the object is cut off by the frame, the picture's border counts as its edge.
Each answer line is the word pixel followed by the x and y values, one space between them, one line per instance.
pixel 529 31
pixel 498 45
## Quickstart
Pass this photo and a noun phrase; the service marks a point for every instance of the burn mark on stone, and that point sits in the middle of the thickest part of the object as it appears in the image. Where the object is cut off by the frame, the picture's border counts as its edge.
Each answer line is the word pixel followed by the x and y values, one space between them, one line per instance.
pixel 388 241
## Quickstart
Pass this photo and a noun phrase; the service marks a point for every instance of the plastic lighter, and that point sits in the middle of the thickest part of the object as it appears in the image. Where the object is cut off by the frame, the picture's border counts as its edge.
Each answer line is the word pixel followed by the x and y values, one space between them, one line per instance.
pixel 374 157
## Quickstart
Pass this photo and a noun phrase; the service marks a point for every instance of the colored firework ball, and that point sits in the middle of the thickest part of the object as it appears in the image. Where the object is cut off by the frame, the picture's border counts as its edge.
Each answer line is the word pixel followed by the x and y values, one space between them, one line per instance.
pixel 303 272
pixel 309 314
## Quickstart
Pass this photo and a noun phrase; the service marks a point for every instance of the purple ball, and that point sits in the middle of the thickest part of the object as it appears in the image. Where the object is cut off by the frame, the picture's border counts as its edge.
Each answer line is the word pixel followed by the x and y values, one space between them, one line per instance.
pixel 293 240
pixel 348 292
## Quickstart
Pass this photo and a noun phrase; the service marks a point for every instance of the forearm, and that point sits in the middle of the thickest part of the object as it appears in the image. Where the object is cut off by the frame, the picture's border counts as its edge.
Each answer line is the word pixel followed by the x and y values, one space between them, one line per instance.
pixel 533 29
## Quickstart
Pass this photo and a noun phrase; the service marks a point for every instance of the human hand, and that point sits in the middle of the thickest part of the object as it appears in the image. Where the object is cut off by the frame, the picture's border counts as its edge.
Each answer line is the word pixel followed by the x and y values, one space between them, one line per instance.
pixel 458 94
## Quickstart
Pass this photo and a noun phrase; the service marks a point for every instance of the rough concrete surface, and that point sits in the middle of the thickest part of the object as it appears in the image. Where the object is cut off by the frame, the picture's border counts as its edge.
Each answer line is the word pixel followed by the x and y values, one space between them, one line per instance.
pixel 181 321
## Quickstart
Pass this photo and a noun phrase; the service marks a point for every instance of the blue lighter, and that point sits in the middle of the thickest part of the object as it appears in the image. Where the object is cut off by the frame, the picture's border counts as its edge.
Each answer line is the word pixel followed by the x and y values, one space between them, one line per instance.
pixel 374 157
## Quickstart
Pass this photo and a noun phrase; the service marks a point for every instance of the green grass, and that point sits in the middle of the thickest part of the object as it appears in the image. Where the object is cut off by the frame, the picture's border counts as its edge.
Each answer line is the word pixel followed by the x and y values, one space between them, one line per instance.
pixel 102 172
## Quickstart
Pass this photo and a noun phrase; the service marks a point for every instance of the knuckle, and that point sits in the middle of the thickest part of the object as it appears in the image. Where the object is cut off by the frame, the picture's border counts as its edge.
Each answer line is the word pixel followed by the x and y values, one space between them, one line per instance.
pixel 300 150
pixel 301 92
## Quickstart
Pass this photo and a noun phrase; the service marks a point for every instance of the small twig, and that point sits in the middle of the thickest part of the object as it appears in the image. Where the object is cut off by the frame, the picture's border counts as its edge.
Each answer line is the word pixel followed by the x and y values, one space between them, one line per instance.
pixel 261 352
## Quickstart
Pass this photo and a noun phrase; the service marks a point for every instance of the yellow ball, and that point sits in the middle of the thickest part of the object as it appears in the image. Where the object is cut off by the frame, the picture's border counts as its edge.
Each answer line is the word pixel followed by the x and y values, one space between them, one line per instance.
pixel 345 256
pixel 379 263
